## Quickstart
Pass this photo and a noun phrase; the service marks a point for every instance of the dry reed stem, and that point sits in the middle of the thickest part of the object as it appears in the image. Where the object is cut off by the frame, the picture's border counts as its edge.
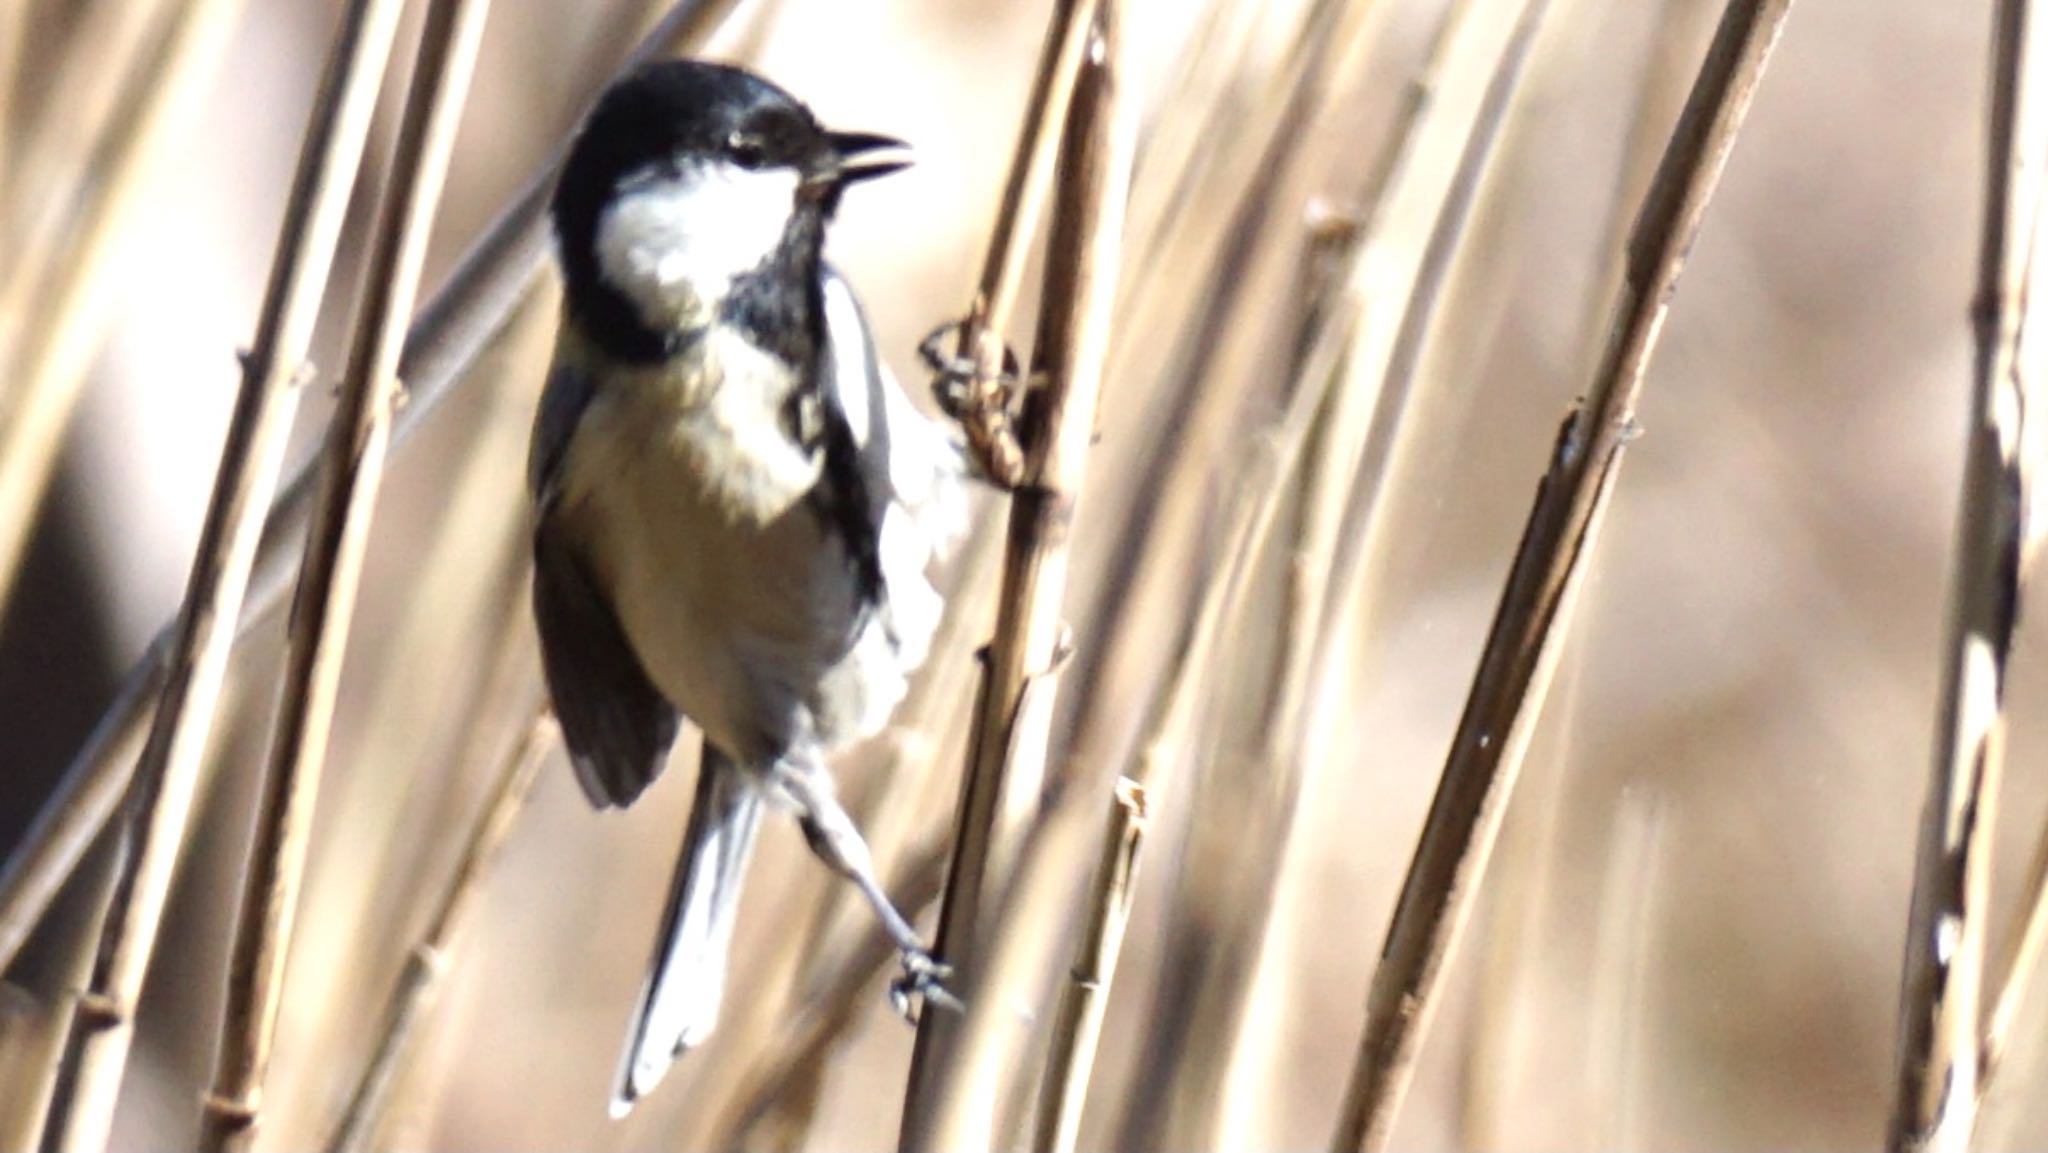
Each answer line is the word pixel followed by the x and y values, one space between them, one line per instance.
pixel 1162 750
pixel 1008 748
pixel 1939 1082
pixel 72 304
pixel 261 423
pixel 1252 158
pixel 1521 649
pixel 1077 1028
pixel 2023 959
pixel 27 1086
pixel 1193 414
pixel 99 69
pixel 1529 836
pixel 442 675
pixel 433 954
pixel 1354 367
pixel 197 665
pixel 983 410
pixel 472 306
pixel 331 574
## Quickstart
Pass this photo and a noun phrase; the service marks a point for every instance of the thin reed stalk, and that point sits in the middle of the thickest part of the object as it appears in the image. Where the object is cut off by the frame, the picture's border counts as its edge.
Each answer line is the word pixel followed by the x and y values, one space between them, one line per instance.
pixel 1376 412
pixel 74 302
pixel 1496 1028
pixel 1941 1038
pixel 472 306
pixel 331 574
pixel 251 459
pixel 433 954
pixel 1077 1028
pixel 1008 747
pixel 1262 489
pixel 984 410
pixel 1352 370
pixel 1536 602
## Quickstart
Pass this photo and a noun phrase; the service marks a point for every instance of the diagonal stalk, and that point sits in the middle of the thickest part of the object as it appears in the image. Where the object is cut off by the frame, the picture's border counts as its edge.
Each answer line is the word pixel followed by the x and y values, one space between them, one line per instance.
pixel 251 459
pixel 947 1106
pixel 1940 1076
pixel 1536 602
pixel 351 474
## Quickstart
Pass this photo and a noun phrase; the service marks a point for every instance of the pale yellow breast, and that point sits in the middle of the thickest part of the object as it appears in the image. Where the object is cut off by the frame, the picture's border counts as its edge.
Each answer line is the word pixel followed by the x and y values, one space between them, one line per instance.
pixel 691 505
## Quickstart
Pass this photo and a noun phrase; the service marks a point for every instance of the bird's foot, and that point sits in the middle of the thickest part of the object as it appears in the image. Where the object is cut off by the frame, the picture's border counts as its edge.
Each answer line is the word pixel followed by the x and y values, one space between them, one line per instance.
pixel 981 396
pixel 923 980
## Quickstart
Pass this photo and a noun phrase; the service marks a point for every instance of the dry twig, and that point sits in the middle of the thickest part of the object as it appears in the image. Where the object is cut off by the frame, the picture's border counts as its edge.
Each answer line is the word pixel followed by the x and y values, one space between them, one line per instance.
pixel 1513 674
pixel 324 604
pixel 1940 1081
pixel 1007 750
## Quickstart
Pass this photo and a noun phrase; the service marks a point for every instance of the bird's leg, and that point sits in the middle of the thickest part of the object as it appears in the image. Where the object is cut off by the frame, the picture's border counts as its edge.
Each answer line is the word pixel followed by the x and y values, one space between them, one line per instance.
pixel 836 840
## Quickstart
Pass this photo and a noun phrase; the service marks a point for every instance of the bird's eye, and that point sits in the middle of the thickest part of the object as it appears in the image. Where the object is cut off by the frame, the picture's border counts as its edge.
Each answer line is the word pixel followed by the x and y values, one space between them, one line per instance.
pixel 746 148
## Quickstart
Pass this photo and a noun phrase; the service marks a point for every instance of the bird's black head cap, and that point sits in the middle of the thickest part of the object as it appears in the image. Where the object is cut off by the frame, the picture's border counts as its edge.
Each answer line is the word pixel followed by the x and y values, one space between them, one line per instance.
pixel 671 110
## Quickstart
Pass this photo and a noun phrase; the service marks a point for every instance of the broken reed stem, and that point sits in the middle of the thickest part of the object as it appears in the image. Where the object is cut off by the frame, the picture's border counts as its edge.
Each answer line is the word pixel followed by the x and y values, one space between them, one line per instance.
pixel 1008 747
pixel 980 338
pixel 197 665
pixel 70 306
pixel 331 574
pixel 450 330
pixel 1536 602
pixel 431 957
pixel 1939 1075
pixel 1077 1029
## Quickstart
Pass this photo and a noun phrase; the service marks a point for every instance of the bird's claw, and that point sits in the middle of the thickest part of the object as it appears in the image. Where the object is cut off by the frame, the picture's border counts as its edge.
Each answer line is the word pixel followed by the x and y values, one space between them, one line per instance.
pixel 922 980
pixel 984 402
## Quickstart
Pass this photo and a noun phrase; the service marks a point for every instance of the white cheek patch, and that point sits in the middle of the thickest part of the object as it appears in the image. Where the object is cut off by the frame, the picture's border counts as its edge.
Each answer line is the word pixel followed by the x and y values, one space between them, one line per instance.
pixel 674 243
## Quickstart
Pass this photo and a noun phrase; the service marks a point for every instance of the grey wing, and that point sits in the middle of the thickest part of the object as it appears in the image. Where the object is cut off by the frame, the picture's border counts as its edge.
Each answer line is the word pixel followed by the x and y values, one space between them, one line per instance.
pixel 617 725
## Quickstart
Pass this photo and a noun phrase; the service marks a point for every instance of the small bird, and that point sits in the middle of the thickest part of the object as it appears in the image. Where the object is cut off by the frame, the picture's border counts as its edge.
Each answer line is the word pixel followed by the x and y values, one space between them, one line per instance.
pixel 735 503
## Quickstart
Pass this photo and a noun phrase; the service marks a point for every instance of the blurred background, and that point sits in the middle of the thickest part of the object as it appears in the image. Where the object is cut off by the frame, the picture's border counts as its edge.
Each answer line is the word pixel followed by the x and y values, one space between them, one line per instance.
pixel 1692 933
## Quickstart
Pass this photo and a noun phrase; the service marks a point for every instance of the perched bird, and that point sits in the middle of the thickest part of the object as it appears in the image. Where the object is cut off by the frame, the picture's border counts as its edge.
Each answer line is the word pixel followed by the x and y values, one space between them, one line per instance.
pixel 735 504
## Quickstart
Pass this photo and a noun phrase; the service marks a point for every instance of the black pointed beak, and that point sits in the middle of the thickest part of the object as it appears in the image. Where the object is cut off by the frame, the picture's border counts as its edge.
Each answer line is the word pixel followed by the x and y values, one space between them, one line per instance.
pixel 862 156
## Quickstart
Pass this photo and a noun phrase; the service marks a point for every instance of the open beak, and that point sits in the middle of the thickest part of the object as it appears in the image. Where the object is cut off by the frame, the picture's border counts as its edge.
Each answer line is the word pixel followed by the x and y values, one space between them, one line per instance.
pixel 863 156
